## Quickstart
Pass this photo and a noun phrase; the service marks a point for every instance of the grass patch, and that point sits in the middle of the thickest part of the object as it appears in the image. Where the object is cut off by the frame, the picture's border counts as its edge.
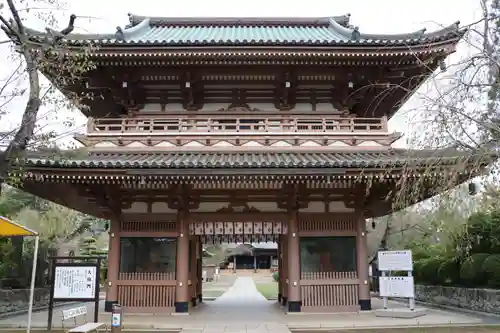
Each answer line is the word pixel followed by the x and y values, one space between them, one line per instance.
pixel 268 290
pixel 213 293
pixel 450 329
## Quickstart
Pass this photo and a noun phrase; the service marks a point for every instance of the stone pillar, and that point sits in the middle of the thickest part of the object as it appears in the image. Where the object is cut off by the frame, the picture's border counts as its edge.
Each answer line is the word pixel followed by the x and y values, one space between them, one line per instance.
pixel 193 262
pixel 284 264
pixel 113 265
pixel 182 264
pixel 280 269
pixel 362 264
pixel 294 302
pixel 199 270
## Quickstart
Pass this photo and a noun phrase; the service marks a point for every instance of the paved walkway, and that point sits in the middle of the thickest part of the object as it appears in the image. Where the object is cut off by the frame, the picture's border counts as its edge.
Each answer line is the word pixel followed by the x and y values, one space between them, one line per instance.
pixel 240 309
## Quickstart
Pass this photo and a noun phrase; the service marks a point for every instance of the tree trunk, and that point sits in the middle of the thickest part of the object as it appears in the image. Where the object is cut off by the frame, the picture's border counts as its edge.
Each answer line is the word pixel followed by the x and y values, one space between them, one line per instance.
pixel 27 127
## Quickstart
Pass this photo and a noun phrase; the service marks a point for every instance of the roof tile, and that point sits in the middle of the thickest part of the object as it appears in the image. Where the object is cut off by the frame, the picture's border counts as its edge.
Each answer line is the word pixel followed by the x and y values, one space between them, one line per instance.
pixel 393 158
pixel 255 31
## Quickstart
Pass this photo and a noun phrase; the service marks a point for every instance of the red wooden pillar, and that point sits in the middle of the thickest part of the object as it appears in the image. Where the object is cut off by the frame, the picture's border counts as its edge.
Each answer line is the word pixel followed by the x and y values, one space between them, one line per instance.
pixel 193 267
pixel 113 265
pixel 199 270
pixel 362 264
pixel 280 270
pixel 284 265
pixel 182 264
pixel 294 302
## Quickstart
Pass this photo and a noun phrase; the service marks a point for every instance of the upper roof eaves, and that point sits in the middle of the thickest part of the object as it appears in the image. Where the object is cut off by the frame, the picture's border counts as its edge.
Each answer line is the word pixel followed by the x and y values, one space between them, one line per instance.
pixel 255 31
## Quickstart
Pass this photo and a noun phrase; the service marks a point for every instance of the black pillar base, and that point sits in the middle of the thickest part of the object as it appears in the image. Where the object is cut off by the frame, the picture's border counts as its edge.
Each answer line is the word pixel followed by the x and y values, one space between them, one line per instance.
pixel 279 298
pixel 365 304
pixel 108 305
pixel 181 307
pixel 193 301
pixel 283 300
pixel 294 306
pixel 200 298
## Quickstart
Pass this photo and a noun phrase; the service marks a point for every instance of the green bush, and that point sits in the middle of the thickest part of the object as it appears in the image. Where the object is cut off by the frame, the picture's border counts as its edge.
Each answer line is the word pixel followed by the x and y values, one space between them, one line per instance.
pixel 449 271
pixel 491 267
pixel 471 270
pixel 103 274
pixel 276 276
pixel 426 270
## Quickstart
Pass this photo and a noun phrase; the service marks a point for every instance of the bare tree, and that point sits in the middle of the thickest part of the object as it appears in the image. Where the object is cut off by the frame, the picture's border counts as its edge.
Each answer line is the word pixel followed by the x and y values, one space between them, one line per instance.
pixel 456 118
pixel 35 54
pixel 462 108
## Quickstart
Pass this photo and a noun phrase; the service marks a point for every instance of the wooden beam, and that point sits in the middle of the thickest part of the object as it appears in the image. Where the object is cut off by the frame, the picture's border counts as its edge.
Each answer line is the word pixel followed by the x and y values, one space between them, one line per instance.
pixel 71 198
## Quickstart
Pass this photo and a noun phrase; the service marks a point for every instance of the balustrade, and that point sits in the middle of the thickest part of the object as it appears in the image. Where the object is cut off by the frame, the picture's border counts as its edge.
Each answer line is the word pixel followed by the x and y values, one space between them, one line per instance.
pixel 241 125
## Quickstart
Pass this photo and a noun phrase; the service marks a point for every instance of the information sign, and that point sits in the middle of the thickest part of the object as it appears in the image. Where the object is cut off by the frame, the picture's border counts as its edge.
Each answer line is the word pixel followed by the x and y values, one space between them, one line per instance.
pixel 75 282
pixel 397 286
pixel 395 260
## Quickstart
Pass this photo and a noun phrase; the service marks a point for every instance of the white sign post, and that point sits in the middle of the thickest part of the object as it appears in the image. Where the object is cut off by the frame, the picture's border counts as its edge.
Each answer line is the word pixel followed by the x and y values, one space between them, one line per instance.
pixel 75 282
pixel 396 286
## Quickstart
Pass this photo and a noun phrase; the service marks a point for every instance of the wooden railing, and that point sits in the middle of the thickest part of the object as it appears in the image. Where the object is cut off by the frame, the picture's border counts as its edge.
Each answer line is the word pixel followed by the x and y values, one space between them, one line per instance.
pixel 146 292
pixel 329 297
pixel 144 276
pixel 329 291
pixel 240 125
pixel 328 275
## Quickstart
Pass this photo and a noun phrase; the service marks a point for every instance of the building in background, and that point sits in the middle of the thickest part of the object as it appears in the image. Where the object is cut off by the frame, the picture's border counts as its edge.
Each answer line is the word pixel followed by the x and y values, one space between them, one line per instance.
pixel 251 256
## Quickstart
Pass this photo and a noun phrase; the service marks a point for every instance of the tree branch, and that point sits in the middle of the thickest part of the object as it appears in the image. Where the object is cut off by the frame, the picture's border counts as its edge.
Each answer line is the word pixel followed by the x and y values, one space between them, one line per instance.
pixel 17 18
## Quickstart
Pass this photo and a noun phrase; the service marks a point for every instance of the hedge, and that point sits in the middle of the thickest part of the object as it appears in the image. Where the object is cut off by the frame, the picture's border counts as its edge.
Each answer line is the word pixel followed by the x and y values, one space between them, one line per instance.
pixel 477 270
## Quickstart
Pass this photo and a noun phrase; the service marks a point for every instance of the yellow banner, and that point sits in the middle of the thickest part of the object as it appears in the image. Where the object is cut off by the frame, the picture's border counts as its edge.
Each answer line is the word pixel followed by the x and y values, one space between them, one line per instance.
pixel 9 229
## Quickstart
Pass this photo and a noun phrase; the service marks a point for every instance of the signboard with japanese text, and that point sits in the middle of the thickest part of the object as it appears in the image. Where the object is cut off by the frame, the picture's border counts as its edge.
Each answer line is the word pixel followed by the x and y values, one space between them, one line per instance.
pixel 397 286
pixel 75 282
pixel 395 260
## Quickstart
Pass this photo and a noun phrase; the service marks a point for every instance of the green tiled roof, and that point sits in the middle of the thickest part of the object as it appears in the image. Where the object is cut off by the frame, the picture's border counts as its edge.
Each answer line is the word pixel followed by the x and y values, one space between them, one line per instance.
pixel 394 158
pixel 255 31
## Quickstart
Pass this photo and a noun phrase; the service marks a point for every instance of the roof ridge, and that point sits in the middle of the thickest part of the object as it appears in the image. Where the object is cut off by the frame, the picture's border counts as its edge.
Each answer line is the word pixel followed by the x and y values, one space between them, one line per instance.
pixel 252 31
pixel 355 34
pixel 238 21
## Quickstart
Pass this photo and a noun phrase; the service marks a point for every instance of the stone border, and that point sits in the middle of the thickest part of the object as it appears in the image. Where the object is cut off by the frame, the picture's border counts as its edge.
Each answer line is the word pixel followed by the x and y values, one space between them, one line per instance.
pixel 449 308
pixel 35 309
pixel 305 328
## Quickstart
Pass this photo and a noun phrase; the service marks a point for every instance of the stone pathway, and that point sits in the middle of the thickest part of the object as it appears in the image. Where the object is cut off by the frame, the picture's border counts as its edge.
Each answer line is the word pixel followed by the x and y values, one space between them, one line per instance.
pixel 241 309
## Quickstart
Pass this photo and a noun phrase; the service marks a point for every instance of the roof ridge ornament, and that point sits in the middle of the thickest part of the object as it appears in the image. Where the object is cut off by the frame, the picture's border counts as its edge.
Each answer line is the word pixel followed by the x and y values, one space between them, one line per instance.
pixel 356 35
pixel 57 36
pixel 119 33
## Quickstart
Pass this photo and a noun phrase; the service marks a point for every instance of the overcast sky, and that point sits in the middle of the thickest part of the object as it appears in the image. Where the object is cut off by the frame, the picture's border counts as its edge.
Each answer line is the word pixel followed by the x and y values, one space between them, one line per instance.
pixel 381 16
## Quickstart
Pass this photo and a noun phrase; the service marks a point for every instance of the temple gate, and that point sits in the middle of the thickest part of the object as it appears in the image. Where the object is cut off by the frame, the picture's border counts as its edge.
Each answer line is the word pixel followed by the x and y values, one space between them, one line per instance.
pixel 245 130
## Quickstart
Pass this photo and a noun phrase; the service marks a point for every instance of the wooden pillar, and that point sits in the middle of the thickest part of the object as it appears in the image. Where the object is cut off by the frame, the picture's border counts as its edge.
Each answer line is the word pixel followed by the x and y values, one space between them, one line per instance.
pixel 193 266
pixel 362 264
pixel 199 270
pixel 182 263
pixel 284 264
pixel 113 265
pixel 280 268
pixel 294 302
